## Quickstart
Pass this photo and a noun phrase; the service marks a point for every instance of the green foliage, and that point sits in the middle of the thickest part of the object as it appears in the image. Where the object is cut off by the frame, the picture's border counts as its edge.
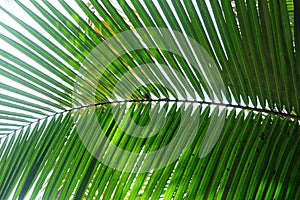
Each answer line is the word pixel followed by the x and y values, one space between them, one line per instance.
pixel 255 46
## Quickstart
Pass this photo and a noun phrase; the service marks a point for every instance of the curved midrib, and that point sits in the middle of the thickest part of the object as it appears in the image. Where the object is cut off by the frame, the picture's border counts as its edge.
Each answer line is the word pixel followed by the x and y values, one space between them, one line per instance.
pixel 227 105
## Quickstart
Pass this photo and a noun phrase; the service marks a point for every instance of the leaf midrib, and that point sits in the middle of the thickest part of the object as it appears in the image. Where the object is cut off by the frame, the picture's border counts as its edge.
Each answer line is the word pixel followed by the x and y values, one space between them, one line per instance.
pixel 166 100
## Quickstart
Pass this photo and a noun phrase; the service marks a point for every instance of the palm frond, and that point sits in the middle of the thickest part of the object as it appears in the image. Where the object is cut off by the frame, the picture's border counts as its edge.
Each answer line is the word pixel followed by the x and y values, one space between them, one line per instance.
pixel 76 89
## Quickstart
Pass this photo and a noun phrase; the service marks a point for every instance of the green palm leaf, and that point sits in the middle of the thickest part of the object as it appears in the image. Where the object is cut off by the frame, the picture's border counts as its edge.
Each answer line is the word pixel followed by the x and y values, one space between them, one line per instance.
pixel 102 100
